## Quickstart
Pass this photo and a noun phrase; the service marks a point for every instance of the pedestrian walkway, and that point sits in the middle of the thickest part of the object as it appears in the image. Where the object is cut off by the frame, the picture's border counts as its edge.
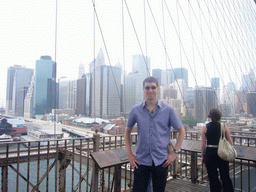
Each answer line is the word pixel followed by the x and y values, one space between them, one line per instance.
pixel 184 185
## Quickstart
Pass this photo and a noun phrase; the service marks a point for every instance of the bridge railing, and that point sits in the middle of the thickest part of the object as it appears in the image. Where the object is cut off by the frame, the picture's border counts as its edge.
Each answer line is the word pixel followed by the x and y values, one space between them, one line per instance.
pixel 66 165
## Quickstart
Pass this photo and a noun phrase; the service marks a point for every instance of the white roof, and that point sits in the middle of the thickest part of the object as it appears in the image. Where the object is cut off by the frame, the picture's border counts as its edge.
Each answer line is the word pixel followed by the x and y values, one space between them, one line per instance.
pixel 16 122
pixel 89 120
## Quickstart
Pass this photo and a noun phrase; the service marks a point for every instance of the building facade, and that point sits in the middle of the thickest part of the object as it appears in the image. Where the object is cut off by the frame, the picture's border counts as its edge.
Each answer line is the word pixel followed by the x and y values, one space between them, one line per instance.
pixel 67 93
pixel 205 98
pixel 45 86
pixel 18 78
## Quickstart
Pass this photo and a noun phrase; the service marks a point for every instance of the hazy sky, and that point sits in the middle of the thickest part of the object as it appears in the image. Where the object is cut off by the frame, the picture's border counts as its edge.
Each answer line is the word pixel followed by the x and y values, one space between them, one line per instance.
pixel 27 31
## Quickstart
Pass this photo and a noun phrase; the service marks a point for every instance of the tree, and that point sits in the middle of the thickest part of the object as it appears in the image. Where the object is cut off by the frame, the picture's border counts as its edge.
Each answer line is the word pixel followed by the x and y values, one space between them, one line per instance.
pixel 191 121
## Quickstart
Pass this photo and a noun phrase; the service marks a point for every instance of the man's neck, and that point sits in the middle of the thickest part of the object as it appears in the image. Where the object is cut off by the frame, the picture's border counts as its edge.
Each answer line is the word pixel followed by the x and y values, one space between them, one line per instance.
pixel 151 103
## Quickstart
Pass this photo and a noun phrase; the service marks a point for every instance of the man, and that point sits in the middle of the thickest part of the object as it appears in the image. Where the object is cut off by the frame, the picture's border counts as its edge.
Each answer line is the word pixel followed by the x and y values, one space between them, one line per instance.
pixel 154 119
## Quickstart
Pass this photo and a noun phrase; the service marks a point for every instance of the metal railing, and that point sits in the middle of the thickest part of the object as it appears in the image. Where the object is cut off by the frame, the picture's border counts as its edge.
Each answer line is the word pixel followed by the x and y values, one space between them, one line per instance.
pixel 66 165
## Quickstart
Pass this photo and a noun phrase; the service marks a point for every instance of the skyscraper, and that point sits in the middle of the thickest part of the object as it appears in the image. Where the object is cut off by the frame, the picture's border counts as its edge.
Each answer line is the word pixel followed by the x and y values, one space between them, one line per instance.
pixel 215 81
pixel 205 98
pixel 111 99
pixel 251 103
pixel 141 64
pixel 29 100
pixel 44 88
pixel 81 71
pixel 83 95
pixel 141 68
pixel 133 91
pixel 106 84
pixel 167 77
pixel 18 78
pixel 181 73
pixel 67 93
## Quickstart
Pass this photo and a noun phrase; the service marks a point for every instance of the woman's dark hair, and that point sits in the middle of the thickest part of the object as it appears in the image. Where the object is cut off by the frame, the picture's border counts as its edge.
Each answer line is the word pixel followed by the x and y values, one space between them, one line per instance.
pixel 150 79
pixel 214 114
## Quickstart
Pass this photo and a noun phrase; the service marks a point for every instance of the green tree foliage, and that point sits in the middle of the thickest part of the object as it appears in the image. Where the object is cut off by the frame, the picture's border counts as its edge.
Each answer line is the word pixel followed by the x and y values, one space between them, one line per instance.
pixel 191 121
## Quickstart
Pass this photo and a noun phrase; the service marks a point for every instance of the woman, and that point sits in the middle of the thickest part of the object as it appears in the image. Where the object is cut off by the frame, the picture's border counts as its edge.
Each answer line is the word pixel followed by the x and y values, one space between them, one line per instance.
pixel 210 139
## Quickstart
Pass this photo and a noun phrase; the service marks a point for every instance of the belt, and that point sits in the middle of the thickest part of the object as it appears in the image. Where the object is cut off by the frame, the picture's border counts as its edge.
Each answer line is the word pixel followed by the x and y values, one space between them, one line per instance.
pixel 214 146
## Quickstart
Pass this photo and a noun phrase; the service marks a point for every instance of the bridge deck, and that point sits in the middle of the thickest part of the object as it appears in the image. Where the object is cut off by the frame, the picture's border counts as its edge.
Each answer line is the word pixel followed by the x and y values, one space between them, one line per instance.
pixel 176 185
pixel 184 185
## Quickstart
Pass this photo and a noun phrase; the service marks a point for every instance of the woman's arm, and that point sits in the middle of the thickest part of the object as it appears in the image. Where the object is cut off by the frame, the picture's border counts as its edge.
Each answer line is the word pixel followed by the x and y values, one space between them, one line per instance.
pixel 228 135
pixel 203 132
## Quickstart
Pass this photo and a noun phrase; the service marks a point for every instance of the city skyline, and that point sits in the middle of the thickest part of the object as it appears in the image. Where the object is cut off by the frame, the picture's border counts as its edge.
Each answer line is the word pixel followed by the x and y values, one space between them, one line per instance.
pixel 28 32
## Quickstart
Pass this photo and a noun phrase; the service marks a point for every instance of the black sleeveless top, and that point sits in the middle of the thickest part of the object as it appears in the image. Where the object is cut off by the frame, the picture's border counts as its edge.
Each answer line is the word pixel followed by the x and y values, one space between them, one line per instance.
pixel 213 133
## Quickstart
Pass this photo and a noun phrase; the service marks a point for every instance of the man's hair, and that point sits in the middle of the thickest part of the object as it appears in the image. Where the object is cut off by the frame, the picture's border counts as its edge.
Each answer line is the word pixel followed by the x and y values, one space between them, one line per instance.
pixel 215 114
pixel 150 79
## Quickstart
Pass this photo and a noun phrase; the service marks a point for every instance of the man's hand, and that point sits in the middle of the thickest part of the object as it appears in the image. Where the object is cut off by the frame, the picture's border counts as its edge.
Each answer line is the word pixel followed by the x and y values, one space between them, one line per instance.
pixel 170 159
pixel 133 161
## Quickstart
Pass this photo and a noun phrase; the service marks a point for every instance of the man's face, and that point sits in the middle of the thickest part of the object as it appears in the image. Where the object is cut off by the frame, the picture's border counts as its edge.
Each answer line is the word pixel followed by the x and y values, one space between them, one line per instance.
pixel 150 90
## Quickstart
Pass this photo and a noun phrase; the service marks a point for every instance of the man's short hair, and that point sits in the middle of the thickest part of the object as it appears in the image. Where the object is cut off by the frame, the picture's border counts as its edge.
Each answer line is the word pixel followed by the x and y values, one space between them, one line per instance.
pixel 150 79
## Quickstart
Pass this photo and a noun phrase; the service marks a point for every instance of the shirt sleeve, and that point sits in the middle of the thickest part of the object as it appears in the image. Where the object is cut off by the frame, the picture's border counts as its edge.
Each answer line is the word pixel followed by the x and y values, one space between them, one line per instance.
pixel 131 119
pixel 176 123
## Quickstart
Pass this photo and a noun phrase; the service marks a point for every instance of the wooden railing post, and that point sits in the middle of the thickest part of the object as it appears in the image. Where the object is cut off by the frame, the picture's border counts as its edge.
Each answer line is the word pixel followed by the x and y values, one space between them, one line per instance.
pixel 95 172
pixel 117 178
pixel 64 163
pixel 194 174
pixel 5 178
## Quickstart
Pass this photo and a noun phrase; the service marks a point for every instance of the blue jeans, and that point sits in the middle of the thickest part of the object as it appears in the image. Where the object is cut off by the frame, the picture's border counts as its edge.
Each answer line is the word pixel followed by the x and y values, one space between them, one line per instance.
pixel 142 175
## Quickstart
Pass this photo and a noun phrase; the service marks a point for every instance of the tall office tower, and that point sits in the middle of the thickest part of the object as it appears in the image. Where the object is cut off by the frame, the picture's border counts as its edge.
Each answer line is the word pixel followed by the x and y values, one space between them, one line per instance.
pixel 133 91
pixel 229 91
pixel 133 86
pixel 157 73
pixel 141 64
pixel 215 82
pixel 21 94
pixel 190 102
pixel 81 71
pixel 18 78
pixel 205 98
pixel 245 82
pixel 240 101
pixel 251 103
pixel 252 84
pixel 180 86
pixel 29 100
pixel 67 94
pixel 88 92
pixel 96 69
pixel 45 84
pixel 181 73
pixel 83 95
pixel 111 98
pixel 167 77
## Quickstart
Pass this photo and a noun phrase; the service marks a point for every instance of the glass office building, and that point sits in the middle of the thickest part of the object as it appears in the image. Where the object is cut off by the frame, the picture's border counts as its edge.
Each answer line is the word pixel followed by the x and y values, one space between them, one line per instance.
pixel 44 95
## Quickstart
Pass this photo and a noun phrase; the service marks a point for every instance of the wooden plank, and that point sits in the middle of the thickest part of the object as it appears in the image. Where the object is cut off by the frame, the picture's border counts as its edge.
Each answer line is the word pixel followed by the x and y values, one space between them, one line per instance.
pixel 184 185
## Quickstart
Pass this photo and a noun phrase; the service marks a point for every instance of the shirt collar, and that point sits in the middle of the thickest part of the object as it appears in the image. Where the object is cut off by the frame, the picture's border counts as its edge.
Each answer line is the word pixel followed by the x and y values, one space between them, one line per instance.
pixel 159 103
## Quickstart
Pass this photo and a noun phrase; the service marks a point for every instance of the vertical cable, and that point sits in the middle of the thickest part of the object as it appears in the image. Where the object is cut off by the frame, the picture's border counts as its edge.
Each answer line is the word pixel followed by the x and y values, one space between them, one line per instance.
pixel 124 96
pixel 94 64
pixel 55 77
pixel 145 28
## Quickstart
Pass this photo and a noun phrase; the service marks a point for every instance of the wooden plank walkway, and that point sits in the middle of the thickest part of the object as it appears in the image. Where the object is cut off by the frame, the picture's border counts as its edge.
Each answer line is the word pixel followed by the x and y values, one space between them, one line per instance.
pixel 184 185
pixel 180 185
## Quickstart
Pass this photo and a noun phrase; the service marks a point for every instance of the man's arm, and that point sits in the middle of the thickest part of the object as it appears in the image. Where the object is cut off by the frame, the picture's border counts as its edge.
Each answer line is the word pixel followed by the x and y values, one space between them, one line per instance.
pixel 180 138
pixel 131 156
pixel 172 156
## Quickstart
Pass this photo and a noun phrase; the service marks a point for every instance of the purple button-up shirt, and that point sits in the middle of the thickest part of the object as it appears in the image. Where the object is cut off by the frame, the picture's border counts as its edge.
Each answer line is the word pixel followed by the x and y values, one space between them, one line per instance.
pixel 153 131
